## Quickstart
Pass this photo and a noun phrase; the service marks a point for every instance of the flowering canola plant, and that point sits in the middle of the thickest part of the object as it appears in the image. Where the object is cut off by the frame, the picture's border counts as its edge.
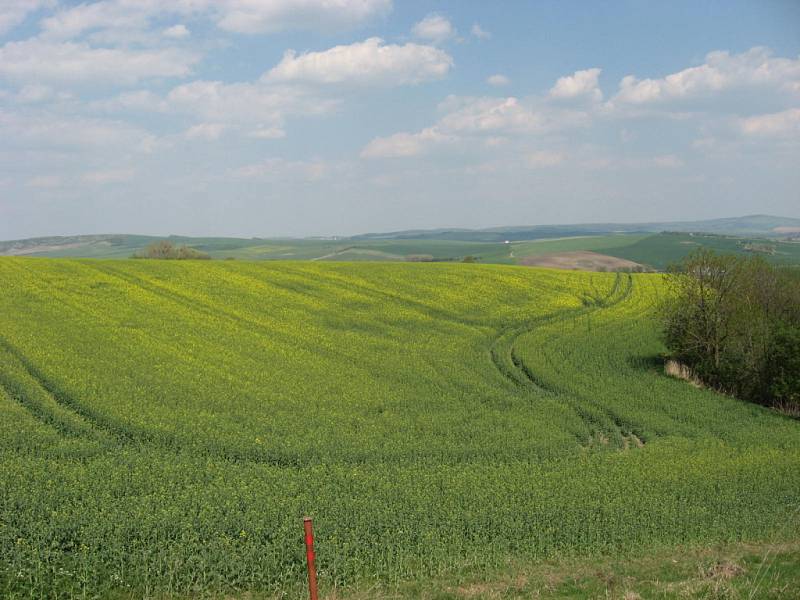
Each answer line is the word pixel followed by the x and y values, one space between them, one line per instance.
pixel 164 425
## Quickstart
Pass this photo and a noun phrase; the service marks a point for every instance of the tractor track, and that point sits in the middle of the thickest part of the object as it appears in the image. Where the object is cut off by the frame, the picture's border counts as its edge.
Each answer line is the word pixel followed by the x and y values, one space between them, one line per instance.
pixel 600 421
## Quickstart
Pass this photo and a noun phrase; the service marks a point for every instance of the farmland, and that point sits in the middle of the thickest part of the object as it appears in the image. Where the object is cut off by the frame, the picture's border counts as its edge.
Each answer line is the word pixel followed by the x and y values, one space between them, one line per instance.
pixel 164 426
pixel 648 251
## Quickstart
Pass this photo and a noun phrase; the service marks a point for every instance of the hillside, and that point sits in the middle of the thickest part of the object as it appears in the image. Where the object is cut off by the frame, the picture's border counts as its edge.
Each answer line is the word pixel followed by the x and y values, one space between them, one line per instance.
pixel 644 244
pixel 164 426
pixel 752 225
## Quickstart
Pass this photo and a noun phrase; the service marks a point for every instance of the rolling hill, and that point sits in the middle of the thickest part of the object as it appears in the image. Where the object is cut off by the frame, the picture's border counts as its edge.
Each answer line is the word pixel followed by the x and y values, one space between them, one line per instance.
pixel 651 245
pixel 164 426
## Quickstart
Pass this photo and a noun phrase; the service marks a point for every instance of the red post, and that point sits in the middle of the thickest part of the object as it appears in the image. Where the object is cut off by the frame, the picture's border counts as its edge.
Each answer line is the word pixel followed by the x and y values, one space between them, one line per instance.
pixel 312 568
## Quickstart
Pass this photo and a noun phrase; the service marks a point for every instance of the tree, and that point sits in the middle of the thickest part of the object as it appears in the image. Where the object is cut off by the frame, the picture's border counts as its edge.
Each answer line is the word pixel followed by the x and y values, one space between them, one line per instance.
pixel 165 250
pixel 735 322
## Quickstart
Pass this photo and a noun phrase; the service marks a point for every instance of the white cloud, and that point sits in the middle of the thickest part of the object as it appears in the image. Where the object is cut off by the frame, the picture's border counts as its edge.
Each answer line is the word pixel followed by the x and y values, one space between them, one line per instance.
pixel 475 115
pixel 404 144
pixel 667 161
pixel 498 80
pixel 177 32
pixel 245 103
pixel 664 161
pixel 434 28
pixel 205 131
pixel 504 115
pixel 367 62
pixel 479 32
pixel 34 93
pixel 720 72
pixel 580 84
pixel 109 176
pixel 485 120
pixel 239 16
pixel 50 131
pixel 138 100
pixel 544 158
pixel 74 21
pixel 267 133
pixel 14 12
pixel 45 182
pixel 250 16
pixel 780 124
pixel 41 61
pixel 279 168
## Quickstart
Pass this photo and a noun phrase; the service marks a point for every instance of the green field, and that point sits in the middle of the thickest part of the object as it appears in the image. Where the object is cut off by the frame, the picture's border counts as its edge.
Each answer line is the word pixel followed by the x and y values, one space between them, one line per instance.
pixel 661 250
pixel 655 251
pixel 164 426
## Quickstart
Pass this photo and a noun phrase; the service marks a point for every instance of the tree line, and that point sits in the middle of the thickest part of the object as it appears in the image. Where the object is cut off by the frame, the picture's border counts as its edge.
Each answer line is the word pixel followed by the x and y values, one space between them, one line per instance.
pixel 734 322
pixel 164 250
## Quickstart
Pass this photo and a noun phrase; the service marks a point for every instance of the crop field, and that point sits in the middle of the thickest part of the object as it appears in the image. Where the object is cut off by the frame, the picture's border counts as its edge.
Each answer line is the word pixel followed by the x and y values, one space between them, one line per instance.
pixel 164 425
pixel 660 250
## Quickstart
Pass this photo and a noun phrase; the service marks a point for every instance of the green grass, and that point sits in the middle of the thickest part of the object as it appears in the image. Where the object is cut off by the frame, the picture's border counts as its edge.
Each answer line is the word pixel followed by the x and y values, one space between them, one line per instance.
pixel 661 250
pixel 654 250
pixel 165 425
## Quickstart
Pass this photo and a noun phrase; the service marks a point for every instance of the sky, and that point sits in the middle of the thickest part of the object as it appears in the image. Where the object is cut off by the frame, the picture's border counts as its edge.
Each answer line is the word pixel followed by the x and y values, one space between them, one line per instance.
pixel 270 118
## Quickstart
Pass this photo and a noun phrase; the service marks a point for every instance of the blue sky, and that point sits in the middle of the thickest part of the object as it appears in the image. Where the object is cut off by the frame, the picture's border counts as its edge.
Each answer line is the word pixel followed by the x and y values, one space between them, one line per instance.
pixel 320 117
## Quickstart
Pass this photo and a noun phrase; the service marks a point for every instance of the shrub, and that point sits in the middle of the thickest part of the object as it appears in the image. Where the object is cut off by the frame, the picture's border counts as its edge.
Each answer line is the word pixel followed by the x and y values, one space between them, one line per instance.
pixel 164 250
pixel 735 323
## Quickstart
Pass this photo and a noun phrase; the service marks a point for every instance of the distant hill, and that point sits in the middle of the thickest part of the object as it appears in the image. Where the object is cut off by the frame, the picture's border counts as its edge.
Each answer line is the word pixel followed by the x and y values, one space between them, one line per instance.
pixel 648 245
pixel 752 225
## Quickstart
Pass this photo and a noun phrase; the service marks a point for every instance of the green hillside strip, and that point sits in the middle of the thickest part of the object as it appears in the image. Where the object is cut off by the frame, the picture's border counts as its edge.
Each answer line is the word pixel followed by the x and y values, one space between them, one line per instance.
pixel 164 426
pixel 661 250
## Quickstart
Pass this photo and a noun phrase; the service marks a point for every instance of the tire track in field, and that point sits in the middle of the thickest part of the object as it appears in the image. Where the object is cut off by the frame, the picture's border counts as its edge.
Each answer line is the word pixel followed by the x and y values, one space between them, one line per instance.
pixel 599 419
pixel 44 402
pixel 217 311
pixel 70 418
pixel 339 282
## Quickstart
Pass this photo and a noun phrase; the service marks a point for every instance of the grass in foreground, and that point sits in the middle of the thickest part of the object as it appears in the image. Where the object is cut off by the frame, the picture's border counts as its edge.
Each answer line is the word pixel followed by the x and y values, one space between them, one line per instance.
pixel 730 572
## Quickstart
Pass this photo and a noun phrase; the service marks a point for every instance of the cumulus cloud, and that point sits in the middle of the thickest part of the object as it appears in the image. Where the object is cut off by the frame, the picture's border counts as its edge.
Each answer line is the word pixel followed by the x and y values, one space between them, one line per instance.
pixel 367 62
pixel 486 120
pixel 14 12
pixel 52 131
pixel 247 16
pixel 492 115
pixel 138 100
pixel 504 116
pixel 279 168
pixel 177 32
pixel 498 80
pixel 544 158
pixel 267 133
pixel 780 124
pixel 245 103
pixel 239 16
pixel 479 32
pixel 434 28
pixel 108 176
pixel 45 182
pixel 581 84
pixel 720 72
pixel 404 144
pixel 34 93
pixel 41 61
pixel 205 131
pixel 73 21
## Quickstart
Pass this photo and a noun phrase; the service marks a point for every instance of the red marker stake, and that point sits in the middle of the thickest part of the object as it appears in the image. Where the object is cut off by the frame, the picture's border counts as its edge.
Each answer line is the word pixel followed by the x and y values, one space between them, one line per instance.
pixel 312 569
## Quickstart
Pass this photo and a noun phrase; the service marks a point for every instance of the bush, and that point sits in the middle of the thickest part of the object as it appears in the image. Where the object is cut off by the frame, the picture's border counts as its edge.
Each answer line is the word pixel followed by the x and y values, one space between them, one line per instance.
pixel 164 250
pixel 735 322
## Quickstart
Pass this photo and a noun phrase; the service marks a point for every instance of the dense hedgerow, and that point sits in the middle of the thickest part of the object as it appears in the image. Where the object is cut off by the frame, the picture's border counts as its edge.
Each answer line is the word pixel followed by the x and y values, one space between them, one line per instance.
pixel 735 322
pixel 165 425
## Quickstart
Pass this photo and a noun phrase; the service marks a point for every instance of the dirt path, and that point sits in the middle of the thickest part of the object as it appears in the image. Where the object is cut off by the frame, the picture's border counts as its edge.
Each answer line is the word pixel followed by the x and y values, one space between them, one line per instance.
pixel 579 260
